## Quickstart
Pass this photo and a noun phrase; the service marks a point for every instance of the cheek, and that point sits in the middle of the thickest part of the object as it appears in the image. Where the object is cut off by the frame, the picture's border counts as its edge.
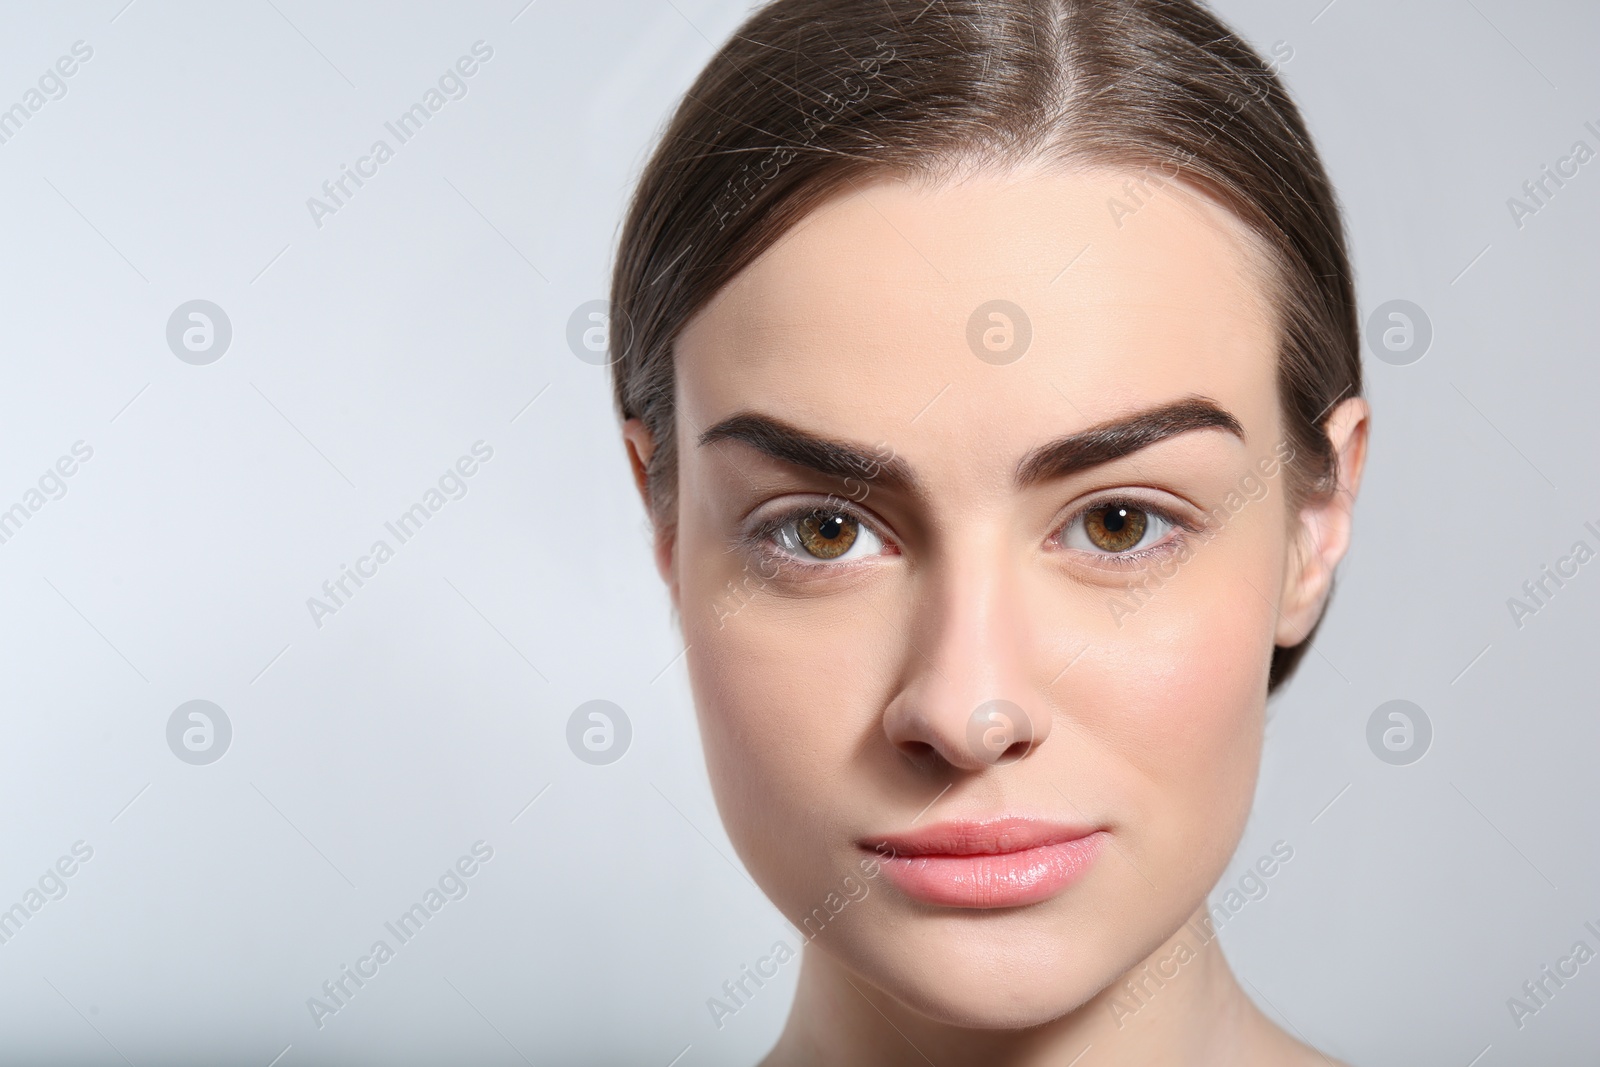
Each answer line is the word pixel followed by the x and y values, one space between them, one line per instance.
pixel 1184 688
pixel 783 693
pixel 1184 753
pixel 784 686
pixel 1200 680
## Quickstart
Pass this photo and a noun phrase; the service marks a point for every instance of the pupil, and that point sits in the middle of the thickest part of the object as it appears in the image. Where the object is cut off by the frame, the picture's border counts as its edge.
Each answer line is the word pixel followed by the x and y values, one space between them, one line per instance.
pixel 827 536
pixel 1115 519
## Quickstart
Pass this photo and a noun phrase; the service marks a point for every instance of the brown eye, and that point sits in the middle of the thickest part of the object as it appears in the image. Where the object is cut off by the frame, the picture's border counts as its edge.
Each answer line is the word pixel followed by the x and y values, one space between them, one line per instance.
pixel 821 535
pixel 826 535
pixel 1115 527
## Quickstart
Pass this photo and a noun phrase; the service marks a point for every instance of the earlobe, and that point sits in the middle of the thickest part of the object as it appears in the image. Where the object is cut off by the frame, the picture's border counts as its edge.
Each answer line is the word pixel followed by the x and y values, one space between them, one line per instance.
pixel 1322 535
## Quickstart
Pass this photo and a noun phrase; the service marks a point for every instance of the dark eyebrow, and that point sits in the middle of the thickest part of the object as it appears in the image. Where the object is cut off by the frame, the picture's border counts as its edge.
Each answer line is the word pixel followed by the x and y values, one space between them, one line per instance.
pixel 803 449
pixel 1122 436
pixel 1065 455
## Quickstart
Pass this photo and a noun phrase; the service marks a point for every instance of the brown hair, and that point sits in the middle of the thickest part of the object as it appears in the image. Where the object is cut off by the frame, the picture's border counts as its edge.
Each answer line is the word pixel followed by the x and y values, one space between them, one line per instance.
pixel 809 95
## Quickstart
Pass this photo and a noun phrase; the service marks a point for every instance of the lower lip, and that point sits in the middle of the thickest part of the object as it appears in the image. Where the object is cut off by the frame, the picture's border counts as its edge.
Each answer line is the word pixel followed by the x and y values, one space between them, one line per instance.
pixel 998 880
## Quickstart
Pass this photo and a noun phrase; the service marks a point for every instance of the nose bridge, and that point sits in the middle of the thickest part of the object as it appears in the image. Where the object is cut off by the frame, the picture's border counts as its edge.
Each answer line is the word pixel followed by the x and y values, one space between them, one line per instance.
pixel 974 623
pixel 968 670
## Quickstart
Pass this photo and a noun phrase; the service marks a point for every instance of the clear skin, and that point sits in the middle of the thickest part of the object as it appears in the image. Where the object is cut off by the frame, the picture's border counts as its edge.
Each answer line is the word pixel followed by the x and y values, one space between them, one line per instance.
pixel 834 700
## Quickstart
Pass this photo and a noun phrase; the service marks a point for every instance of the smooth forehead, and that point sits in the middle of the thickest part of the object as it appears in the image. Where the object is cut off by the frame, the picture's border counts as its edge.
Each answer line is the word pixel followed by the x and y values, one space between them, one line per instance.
pixel 1137 289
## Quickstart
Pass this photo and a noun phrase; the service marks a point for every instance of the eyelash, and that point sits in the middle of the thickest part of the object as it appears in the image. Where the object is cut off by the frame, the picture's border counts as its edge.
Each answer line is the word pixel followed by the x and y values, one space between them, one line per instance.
pixel 761 539
pixel 1179 529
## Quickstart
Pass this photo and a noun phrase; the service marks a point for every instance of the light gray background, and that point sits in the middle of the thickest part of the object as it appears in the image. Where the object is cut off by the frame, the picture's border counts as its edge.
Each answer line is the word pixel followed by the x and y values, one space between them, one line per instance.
pixel 369 353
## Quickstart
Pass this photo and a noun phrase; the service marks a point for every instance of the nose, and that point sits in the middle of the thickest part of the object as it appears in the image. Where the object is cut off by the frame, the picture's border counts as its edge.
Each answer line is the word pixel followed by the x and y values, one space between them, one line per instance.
pixel 971 697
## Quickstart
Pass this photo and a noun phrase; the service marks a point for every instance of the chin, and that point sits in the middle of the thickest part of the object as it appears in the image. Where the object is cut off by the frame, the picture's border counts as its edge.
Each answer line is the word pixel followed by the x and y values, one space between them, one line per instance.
pixel 984 970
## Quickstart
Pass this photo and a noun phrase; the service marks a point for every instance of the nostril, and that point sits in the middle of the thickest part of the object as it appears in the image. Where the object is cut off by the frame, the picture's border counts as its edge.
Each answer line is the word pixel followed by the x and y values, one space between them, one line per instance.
pixel 937 733
pixel 1015 751
pixel 999 731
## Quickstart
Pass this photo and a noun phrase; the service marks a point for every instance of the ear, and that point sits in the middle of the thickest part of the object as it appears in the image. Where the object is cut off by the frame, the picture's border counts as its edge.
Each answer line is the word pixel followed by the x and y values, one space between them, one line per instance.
pixel 1322 533
pixel 641 445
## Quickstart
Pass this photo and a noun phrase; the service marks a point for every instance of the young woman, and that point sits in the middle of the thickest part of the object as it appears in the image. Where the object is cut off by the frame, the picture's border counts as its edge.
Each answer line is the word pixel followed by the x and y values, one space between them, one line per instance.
pixel 990 372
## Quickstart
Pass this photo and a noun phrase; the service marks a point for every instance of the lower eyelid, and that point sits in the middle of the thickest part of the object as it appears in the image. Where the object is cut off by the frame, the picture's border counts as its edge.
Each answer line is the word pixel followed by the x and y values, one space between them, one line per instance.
pixel 1136 556
pixel 1177 530
pixel 779 566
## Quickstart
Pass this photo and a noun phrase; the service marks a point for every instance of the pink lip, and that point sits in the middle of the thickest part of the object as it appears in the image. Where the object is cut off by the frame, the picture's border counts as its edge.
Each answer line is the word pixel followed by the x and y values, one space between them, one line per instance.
pixel 1000 863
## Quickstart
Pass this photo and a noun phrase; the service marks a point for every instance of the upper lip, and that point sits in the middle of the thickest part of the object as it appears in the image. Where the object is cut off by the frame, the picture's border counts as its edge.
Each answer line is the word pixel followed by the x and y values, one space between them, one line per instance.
pixel 987 837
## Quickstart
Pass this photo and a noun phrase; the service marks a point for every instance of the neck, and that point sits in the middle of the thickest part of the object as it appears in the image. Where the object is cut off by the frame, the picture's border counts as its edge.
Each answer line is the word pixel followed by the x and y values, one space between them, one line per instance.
pixel 1181 1004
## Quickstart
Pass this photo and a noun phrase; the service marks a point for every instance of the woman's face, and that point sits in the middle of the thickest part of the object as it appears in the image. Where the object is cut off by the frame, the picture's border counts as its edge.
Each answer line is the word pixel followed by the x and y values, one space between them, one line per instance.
pixel 913 516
